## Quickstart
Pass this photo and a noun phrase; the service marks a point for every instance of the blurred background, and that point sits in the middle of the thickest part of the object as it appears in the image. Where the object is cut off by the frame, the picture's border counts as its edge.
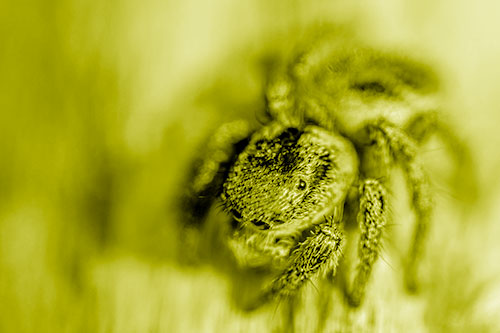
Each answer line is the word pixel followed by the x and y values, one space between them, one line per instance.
pixel 102 106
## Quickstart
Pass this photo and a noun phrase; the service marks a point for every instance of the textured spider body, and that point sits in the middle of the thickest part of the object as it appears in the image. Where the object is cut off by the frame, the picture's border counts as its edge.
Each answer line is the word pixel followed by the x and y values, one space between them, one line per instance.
pixel 284 182
pixel 340 116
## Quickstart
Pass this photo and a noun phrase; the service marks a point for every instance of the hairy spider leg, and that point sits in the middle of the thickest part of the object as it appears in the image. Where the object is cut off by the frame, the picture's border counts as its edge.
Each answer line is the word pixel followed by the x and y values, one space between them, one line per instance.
pixel 321 251
pixel 422 126
pixel 372 217
pixel 206 182
pixel 403 151
pixel 209 171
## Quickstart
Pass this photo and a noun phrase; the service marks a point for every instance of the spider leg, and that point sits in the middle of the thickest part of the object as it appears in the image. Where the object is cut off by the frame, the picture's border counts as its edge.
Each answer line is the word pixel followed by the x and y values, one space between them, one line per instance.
pixel 281 102
pixel 283 106
pixel 371 220
pixel 403 151
pixel 205 182
pixel 422 126
pixel 319 252
pixel 208 173
pixel 422 204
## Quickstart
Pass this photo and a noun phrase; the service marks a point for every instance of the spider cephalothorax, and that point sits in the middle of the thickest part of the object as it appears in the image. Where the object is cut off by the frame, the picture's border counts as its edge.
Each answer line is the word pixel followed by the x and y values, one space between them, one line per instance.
pixel 341 116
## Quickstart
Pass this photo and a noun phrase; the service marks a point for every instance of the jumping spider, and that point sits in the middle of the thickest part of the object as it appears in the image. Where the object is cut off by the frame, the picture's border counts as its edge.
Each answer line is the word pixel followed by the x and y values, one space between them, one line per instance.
pixel 341 116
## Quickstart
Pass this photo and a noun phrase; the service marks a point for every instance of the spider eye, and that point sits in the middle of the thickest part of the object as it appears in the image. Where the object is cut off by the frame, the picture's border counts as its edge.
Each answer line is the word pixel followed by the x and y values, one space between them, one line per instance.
pixel 301 185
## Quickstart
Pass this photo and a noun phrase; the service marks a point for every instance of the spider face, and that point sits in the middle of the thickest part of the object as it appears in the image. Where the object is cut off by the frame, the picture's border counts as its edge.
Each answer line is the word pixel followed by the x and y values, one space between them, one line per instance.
pixel 286 180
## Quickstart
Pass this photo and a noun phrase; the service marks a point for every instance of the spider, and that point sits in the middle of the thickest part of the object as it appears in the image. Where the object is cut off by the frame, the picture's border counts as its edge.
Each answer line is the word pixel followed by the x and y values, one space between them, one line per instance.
pixel 341 115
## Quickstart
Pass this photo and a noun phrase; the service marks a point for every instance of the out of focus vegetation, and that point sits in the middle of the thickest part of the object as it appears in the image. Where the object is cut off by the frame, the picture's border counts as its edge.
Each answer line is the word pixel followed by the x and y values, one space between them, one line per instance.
pixel 100 114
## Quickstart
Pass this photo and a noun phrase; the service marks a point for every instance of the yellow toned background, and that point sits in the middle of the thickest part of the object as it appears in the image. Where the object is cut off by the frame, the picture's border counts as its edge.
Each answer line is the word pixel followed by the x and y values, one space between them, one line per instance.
pixel 101 111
